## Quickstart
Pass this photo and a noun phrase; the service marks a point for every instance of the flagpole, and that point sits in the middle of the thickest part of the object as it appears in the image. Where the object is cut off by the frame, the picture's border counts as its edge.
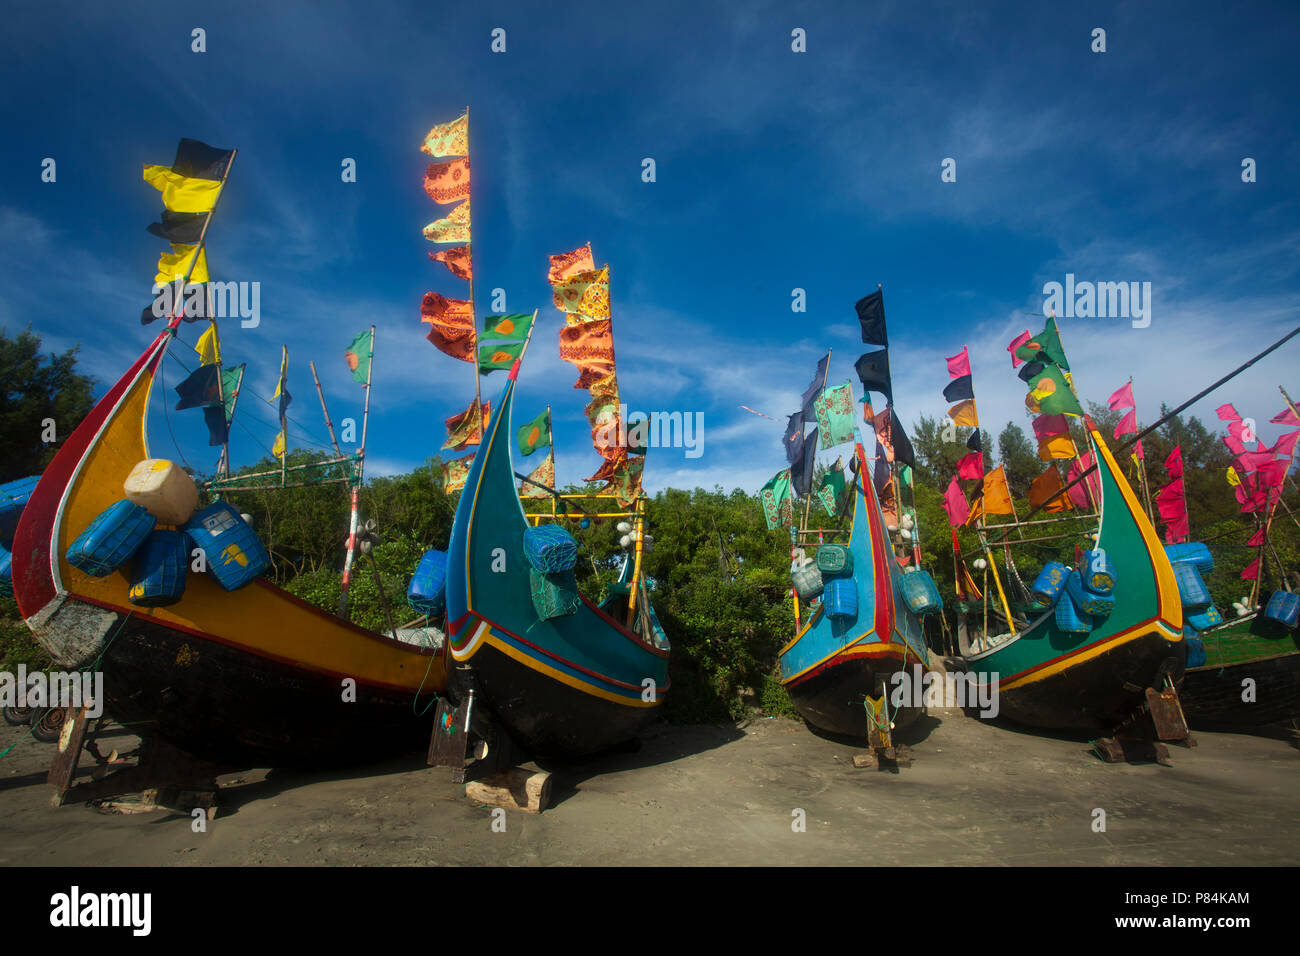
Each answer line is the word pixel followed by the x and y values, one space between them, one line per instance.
pixel 356 485
pixel 807 501
pixel 324 411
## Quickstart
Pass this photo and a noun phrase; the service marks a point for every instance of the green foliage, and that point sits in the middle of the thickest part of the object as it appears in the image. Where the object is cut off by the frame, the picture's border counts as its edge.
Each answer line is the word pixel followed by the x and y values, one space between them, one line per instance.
pixel 396 561
pixel 33 389
pixel 17 646
pixel 1020 459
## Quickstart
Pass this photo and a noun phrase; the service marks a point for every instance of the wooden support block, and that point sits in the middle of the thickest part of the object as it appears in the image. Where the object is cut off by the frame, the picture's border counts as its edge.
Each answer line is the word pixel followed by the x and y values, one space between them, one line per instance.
pixel 515 789
pixel 867 759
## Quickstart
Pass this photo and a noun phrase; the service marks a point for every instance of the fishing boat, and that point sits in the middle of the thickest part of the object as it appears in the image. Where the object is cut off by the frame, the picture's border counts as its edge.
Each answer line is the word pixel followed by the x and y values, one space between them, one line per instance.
pixel 238 675
pixel 1250 678
pixel 567 685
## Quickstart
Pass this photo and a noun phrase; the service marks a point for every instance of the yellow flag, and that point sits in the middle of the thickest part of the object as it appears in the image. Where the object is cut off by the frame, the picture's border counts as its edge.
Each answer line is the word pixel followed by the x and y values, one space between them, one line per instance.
pixel 1056 446
pixel 277 449
pixel 454 228
pixel 284 370
pixel 209 346
pixel 964 414
pixel 181 193
pixel 173 264
pixel 1233 478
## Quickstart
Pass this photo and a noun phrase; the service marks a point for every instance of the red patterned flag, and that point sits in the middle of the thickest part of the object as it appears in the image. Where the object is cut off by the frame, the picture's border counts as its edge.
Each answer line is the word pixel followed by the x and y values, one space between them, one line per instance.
pixel 459 260
pixel 468 427
pixel 589 346
pixel 448 182
pixel 1122 398
pixel 568 264
pixel 453 325
pixel 959 364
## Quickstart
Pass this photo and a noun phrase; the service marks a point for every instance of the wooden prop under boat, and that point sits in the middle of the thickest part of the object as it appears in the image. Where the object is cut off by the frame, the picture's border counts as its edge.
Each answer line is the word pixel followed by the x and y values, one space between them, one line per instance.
pixel 1050 679
pixel 568 686
pixel 830 668
pixel 250 677
pixel 1212 694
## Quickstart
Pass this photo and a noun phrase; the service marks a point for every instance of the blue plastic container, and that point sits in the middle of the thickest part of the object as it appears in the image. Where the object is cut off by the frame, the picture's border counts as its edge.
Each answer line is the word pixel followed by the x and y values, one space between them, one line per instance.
pixel 13 498
pixel 1205 620
pixel 550 549
pixel 1086 601
pixel 1191 552
pixel 1195 650
pixel 6 569
pixel 428 591
pixel 807 581
pixel 835 560
pixel 1097 572
pixel 1070 620
pixel 111 539
pixel 1050 583
pixel 158 572
pixel 920 592
pixel 841 599
pixel 1283 607
pixel 234 554
pixel 1192 590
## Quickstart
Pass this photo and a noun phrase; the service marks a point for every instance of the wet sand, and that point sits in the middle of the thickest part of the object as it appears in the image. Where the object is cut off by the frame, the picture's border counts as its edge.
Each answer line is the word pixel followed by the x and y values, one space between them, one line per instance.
pixel 976 793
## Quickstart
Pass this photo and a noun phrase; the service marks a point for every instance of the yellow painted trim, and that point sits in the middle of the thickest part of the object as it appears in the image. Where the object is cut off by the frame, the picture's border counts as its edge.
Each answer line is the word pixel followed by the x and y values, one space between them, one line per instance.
pixel 853 643
pixel 1153 626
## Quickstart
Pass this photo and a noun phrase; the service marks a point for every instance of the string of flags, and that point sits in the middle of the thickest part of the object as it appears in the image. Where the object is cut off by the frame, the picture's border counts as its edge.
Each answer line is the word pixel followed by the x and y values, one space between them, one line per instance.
pixel 1257 474
pixel 993 495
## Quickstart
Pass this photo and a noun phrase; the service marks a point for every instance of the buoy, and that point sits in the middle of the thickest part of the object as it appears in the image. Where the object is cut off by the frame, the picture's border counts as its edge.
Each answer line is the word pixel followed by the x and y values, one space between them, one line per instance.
pixel 623 527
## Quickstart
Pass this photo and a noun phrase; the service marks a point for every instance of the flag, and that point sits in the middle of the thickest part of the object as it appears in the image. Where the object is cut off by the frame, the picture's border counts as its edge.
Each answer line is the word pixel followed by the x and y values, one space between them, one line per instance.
pixel 1053 396
pixel 959 389
pixel 971 466
pixel 566 265
pixel 778 509
pixel 1258 538
pixel 174 264
pixel 1285 445
pixel 590 347
pixel 454 228
pixel 448 139
pixel 814 389
pixel 832 489
pixel 1234 445
pixel 282 392
pixel 359 355
pixel 1272 474
pixel 1045 492
pixel 183 228
pixel 1122 398
pixel 793 440
pixel 1174 463
pixel 584 296
pixel 1238 431
pixel 1056 446
pixel 902 444
pixel 455 473
pixel 965 414
pixel 871 316
pixel 1285 417
pixel 1087 492
pixel 873 371
pixel 543 474
pixel 499 355
pixel 1227 413
pixel 954 503
pixel 459 260
pixel 625 486
pixel 603 416
pixel 1018 341
pixel 536 434
pixel 209 346
pixel 1045 426
pixel 1030 371
pixel 834 408
pixel 1045 346
pixel 506 326
pixel 447 182
pixel 801 475
pixel 453 325
pixel 997 496
pixel 196 160
pixel 468 427
pixel 1137 450
pixel 1233 478
pixel 974 442
pixel 201 387
pixel 1251 571
pixel 1127 425
pixel 183 193
pixel 959 364
pixel 882 423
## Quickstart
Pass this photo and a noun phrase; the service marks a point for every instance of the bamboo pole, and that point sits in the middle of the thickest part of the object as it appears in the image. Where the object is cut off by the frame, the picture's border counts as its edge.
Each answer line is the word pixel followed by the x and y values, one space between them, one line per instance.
pixel 329 425
pixel 357 478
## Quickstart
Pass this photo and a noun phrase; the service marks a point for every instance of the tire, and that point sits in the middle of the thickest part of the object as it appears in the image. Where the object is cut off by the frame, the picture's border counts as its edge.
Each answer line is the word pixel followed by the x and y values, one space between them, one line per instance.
pixel 47 723
pixel 17 716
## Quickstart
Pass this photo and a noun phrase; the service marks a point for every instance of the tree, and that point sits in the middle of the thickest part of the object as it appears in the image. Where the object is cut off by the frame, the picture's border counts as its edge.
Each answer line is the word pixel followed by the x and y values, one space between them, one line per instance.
pixel 35 393
pixel 1019 459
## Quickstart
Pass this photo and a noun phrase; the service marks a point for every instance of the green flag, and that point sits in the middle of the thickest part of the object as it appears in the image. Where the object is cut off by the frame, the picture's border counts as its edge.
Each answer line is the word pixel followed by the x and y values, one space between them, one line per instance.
pixel 506 326
pixel 778 506
pixel 832 488
pixel 231 379
pixel 495 356
pixel 834 408
pixel 359 355
pixel 1046 345
pixel 1052 393
pixel 536 434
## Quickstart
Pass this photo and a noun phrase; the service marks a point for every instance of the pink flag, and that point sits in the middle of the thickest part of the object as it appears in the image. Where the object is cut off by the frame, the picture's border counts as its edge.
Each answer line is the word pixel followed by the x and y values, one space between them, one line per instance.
pixel 1045 426
pixel 1174 463
pixel 1128 425
pixel 954 502
pixel 1177 531
pixel 1285 417
pixel 1239 431
pixel 1253 502
pixel 1234 446
pixel 1123 398
pixel 1227 413
pixel 1249 461
pixel 1272 475
pixel 1257 538
pixel 1137 449
pixel 971 466
pixel 1286 444
pixel 1251 571
pixel 1083 498
pixel 1018 341
pixel 959 364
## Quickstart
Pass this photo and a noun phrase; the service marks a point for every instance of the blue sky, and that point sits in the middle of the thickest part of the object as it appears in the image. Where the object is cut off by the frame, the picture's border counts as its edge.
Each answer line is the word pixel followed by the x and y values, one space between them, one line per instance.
pixel 775 170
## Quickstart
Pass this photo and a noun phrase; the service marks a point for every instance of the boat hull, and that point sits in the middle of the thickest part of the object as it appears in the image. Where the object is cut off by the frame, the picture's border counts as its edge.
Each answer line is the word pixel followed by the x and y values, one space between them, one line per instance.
pixel 1212 695
pixel 831 698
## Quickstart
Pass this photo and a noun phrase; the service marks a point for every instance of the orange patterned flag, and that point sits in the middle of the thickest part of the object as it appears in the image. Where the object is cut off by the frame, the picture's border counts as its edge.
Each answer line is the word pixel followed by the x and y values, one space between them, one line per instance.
pixel 626 483
pixel 455 228
pixel 455 473
pixel 448 139
pixel 590 347
pixel 543 474
pixel 468 427
pixel 458 260
pixel 585 296
pixel 568 264
pixel 608 470
pixel 447 182
pixel 453 325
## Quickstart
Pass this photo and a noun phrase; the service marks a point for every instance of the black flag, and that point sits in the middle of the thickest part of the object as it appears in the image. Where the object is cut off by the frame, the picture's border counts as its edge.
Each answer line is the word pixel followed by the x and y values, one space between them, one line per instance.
pixel 959 389
pixel 812 391
pixel 975 443
pixel 183 227
pixel 1029 370
pixel 871 315
pixel 902 444
pixel 201 388
pixel 200 161
pixel 801 474
pixel 873 370
pixel 794 437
